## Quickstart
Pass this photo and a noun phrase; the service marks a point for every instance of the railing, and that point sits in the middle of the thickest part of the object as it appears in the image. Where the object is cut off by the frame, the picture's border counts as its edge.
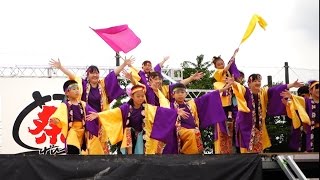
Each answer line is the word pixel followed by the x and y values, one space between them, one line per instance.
pixel 194 93
pixel 48 72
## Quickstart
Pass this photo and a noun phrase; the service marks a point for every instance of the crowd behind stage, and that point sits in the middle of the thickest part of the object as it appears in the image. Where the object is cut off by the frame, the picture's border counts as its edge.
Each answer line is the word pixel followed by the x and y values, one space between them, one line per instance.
pixel 159 120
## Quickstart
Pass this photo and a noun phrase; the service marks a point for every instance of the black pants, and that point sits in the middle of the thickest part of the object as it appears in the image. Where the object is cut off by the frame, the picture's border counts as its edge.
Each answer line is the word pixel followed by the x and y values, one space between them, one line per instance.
pixel 72 150
pixel 316 139
pixel 227 109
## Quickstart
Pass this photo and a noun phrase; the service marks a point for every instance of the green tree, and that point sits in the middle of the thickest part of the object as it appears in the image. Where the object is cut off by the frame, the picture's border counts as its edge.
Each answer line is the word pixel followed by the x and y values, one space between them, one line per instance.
pixel 279 131
pixel 200 66
pixel 206 82
pixel 123 83
pixel 278 128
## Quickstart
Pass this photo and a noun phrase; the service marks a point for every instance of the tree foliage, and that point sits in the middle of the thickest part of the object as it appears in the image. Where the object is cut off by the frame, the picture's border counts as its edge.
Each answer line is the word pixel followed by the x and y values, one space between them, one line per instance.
pixel 206 82
pixel 123 83
pixel 199 65
pixel 278 128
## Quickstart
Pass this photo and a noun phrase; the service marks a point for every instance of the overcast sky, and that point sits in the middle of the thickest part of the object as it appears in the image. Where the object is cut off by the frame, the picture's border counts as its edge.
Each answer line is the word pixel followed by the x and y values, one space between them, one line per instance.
pixel 33 31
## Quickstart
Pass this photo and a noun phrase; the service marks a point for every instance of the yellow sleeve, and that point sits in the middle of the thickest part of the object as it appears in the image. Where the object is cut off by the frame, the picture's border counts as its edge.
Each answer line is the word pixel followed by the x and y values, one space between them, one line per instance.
pixel 112 123
pixel 61 114
pixel 105 101
pixel 291 112
pixel 134 71
pixel 218 75
pixel 239 91
pixel 218 85
pixel 300 105
pixel 164 102
pixel 194 111
pixel 135 81
pixel 165 91
pixel 288 109
pixel 151 145
pixel 79 81
pixel 264 101
pixel 226 100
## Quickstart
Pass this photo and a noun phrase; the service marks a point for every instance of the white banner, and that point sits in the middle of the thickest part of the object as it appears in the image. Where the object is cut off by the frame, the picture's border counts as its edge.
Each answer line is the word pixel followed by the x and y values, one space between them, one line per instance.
pixel 25 106
pixel 1 142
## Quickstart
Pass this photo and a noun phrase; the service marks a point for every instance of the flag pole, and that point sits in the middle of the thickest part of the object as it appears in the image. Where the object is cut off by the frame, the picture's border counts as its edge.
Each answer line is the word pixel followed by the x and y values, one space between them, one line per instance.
pixel 117 59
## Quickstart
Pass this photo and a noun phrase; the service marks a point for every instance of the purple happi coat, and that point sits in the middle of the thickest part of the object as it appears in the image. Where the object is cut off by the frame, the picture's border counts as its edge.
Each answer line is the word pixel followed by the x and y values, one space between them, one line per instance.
pixel 112 89
pixel 210 112
pixel 244 119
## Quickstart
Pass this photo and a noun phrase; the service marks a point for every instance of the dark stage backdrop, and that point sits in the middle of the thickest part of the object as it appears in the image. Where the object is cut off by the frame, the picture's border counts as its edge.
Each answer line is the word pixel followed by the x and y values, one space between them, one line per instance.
pixel 193 167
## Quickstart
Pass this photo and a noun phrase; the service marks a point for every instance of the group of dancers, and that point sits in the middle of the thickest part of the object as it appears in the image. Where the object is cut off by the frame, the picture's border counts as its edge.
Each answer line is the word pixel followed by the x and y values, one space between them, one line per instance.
pixel 158 119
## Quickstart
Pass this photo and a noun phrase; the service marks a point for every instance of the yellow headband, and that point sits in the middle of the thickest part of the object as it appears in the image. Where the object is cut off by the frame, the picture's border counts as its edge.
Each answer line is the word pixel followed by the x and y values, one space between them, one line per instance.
pixel 179 89
pixel 138 89
pixel 313 84
pixel 75 85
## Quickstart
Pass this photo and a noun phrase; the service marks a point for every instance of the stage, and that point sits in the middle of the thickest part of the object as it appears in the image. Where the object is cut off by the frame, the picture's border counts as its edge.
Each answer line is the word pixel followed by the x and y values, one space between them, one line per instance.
pixel 236 166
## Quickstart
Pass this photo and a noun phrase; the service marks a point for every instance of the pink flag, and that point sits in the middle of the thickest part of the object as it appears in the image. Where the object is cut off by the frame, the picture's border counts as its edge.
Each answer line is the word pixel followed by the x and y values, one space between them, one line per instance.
pixel 119 38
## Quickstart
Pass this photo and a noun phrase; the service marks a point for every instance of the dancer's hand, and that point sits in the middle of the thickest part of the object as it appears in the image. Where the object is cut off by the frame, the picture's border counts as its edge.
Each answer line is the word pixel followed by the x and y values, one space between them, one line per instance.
pixel 127 75
pixel 128 61
pixel 286 94
pixel 91 116
pixel 181 112
pixel 295 84
pixel 197 76
pixel 54 121
pixel 55 63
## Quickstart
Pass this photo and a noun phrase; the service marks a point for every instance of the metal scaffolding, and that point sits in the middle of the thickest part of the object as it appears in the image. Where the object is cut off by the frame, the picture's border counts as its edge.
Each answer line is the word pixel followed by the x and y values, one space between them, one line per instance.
pixel 48 72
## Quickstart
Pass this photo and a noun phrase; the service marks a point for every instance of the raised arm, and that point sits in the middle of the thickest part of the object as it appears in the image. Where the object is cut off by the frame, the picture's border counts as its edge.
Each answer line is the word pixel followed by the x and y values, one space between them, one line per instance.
pixel 128 75
pixel 126 62
pixel 133 68
pixel 238 89
pixel 239 92
pixel 228 66
pixel 193 77
pixel 226 87
pixel 231 61
pixel 295 84
pixel 163 61
pixel 57 64
pixel 295 104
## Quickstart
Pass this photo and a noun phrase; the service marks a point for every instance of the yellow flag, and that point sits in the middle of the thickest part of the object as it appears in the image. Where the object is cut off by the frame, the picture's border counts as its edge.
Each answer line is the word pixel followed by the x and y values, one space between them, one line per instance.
pixel 255 18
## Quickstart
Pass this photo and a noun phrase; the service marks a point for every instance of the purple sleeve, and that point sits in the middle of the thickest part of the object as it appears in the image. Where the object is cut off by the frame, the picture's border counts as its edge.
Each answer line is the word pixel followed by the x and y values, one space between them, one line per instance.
pixel 170 98
pixel 125 108
pixel 234 70
pixel 210 110
pixel 244 125
pixel 143 79
pixel 84 90
pixel 150 96
pixel 308 106
pixel 308 138
pixel 157 68
pixel 164 124
pixel 275 106
pixel 294 139
pixel 112 87
pixel 92 126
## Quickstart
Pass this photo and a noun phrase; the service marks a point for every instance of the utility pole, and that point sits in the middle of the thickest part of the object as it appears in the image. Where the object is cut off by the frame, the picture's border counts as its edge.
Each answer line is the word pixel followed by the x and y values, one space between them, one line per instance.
pixel 269 81
pixel 286 71
pixel 117 59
